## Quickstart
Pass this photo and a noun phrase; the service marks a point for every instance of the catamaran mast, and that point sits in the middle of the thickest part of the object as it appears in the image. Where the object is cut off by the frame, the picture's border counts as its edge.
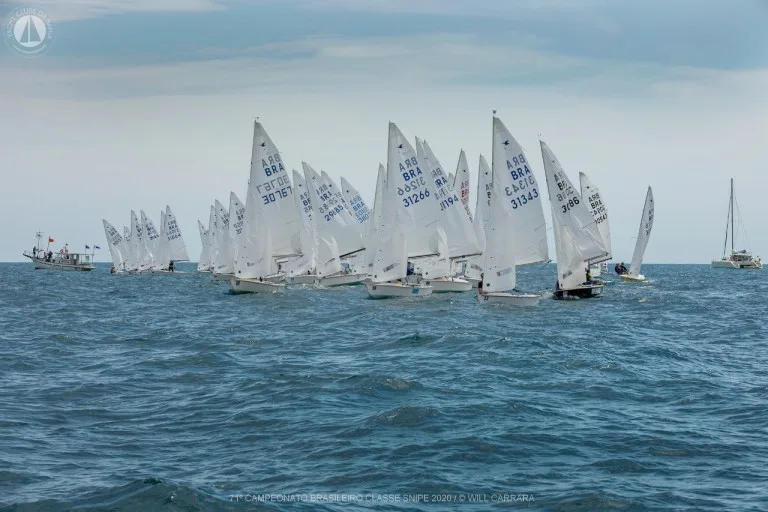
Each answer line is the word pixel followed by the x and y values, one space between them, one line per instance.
pixel 732 233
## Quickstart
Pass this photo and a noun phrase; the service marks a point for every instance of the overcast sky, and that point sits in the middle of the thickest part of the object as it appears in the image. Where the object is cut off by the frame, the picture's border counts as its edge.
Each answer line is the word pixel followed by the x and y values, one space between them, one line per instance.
pixel 138 104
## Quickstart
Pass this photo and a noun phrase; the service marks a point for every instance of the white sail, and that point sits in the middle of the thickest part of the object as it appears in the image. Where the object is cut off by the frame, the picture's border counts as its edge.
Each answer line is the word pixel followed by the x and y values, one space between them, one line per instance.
pixel 336 192
pixel 483 201
pixel 236 224
pixel 439 266
pixel 359 209
pixel 212 238
pixel 328 260
pixel 115 244
pixel 461 239
pixel 576 237
pixel 152 239
pixel 570 211
pixel 223 262
pixel 452 180
pixel 591 194
pixel 460 182
pixel 375 223
pixel 202 262
pixel 307 234
pixel 499 274
pixel 513 177
pixel 271 187
pixel 177 250
pixel 139 245
pixel 643 234
pixel 161 254
pixel 409 184
pixel 329 215
pixel 131 260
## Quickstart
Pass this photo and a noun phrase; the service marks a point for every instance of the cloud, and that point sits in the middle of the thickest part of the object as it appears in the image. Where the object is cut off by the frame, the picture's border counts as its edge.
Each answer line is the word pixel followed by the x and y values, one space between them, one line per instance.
pixel 61 11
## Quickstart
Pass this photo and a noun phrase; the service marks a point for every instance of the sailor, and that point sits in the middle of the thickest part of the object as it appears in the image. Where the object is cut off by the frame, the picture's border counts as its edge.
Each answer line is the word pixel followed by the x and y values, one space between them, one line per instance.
pixel 589 274
pixel 480 285
pixel 409 271
pixel 170 266
pixel 621 269
pixel 112 270
pixel 34 251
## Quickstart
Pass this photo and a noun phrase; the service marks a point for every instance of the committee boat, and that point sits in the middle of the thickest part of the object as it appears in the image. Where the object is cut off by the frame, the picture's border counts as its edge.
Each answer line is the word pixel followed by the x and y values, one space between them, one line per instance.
pixel 741 259
pixel 61 260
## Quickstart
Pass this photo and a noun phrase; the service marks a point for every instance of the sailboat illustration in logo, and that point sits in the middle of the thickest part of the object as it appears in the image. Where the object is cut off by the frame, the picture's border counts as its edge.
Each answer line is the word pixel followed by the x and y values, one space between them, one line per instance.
pixel 29 32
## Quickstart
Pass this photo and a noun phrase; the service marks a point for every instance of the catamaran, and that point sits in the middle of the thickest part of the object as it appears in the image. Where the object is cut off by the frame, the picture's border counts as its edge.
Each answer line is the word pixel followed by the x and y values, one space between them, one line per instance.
pixel 577 239
pixel 736 259
pixel 643 234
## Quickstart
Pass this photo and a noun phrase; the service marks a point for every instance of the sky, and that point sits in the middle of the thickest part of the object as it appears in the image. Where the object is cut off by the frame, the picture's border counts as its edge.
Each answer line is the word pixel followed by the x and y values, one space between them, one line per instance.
pixel 136 104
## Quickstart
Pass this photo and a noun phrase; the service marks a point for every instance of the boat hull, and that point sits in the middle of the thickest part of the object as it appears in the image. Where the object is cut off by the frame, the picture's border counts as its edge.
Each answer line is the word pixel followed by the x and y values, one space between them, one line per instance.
pixel 632 279
pixel 167 272
pixel 748 265
pixel 305 279
pixel 41 264
pixel 222 277
pixel 342 280
pixel 449 285
pixel 385 290
pixel 244 285
pixel 585 291
pixel 525 299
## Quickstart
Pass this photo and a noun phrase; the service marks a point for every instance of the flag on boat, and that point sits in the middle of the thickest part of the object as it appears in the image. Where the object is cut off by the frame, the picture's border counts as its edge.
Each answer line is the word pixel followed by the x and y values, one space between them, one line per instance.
pixel 87 247
pixel 50 240
pixel 96 247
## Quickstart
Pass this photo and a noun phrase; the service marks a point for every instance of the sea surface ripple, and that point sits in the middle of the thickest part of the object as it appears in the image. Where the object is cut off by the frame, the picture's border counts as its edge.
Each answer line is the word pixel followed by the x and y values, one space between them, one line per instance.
pixel 170 393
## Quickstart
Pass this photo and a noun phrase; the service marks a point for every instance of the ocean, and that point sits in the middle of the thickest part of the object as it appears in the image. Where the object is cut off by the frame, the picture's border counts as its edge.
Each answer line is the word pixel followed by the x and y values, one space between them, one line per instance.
pixel 162 392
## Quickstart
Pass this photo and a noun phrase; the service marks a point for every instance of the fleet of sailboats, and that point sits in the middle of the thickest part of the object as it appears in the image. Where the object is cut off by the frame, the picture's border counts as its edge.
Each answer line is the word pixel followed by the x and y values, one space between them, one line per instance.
pixel 144 249
pixel 417 238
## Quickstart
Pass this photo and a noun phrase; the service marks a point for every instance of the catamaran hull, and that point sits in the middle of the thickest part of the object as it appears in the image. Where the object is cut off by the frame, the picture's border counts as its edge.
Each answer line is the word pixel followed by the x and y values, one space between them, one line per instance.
pixel 385 290
pixel 508 298
pixel 244 285
pixel 342 280
pixel 632 279
pixel 449 285
pixel 305 279
pixel 582 292
pixel 737 265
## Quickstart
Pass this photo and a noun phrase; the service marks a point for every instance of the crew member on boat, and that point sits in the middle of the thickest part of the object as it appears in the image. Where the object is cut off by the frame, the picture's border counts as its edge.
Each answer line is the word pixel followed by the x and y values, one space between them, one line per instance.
pixel 480 285
pixel 621 269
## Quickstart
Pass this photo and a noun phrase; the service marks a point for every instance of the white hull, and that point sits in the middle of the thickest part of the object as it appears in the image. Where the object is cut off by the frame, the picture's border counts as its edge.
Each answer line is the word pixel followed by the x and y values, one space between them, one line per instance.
pixel 342 280
pixel 305 279
pixel 635 279
pixel 383 290
pixel 473 281
pixel 508 298
pixel 221 277
pixel 40 264
pixel 449 284
pixel 255 286
pixel 160 271
pixel 754 264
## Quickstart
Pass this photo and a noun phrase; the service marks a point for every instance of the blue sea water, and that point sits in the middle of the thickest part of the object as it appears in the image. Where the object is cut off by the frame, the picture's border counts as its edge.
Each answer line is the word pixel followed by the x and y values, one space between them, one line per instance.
pixel 169 393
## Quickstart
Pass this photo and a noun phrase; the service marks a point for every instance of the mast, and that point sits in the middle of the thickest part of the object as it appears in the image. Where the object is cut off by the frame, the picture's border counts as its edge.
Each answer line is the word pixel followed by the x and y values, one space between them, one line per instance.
pixel 732 233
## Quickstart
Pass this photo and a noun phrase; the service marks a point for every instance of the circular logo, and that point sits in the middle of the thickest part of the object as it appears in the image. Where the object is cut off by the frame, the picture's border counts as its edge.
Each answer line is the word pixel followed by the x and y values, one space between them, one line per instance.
pixel 29 31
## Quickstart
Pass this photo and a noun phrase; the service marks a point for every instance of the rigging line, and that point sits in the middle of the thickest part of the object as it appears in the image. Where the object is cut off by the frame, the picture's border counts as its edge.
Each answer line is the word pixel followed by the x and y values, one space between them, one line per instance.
pixel 741 224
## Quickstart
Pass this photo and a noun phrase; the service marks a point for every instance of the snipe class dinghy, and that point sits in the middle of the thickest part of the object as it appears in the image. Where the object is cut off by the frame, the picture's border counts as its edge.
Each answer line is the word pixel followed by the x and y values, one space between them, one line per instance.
pixel 591 194
pixel 271 221
pixel 736 259
pixel 396 213
pixel 455 238
pixel 643 234
pixel 515 232
pixel 577 240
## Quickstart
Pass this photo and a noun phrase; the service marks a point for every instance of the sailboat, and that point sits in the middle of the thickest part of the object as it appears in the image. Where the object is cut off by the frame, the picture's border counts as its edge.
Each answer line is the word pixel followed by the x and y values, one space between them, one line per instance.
pixel 116 246
pixel 455 239
pixel 643 234
pixel 591 194
pixel 202 262
pixel 515 232
pixel 271 233
pixel 577 239
pixel 459 182
pixel 222 268
pixel 736 259
pixel 474 266
pixel 407 216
